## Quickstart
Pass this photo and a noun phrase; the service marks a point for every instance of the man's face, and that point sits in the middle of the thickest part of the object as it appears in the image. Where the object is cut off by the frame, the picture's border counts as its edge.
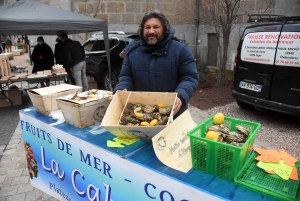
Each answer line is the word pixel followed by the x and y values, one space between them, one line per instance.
pixel 153 31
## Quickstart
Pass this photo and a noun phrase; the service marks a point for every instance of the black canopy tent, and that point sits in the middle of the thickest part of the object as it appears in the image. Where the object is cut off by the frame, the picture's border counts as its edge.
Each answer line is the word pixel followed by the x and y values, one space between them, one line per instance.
pixel 27 17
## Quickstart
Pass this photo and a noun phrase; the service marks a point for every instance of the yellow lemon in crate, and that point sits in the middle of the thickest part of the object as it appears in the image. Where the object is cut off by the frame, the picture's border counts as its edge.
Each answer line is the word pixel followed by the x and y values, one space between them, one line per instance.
pixel 212 135
pixel 218 118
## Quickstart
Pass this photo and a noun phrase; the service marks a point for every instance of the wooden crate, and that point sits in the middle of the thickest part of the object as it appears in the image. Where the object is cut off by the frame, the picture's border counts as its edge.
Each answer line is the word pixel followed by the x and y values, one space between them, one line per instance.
pixel 14 95
pixel 83 113
pixel 7 55
pixel 5 68
pixel 17 52
pixel 44 99
pixel 61 70
pixel 115 110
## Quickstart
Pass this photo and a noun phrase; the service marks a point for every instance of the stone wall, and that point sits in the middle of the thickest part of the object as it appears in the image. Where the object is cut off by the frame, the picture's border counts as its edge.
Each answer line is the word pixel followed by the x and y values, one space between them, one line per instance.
pixel 132 11
pixel 125 15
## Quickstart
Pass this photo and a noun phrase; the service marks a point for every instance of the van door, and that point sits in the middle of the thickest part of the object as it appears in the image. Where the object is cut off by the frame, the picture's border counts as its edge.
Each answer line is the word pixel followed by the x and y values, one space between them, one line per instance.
pixel 255 63
pixel 285 86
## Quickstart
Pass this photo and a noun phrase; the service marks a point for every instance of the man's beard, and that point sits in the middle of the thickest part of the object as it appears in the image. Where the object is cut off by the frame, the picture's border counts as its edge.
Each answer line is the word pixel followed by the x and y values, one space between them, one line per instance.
pixel 154 41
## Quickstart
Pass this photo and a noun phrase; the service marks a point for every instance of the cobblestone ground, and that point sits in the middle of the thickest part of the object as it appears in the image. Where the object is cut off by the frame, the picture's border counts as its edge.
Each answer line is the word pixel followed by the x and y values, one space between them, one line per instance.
pixel 14 177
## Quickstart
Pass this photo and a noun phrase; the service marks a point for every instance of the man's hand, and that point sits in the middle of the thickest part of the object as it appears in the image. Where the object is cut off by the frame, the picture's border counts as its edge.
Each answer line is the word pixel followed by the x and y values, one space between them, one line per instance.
pixel 177 105
pixel 112 96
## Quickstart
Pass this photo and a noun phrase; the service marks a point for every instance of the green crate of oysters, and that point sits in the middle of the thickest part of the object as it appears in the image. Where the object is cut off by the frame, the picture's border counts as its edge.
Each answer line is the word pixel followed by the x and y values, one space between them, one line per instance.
pixel 220 145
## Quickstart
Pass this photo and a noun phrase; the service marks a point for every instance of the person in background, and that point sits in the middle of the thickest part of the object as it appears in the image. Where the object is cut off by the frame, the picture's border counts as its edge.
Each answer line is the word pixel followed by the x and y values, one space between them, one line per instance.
pixel 60 58
pixel 159 62
pixel 3 44
pixel 75 57
pixel 42 57
pixel 26 41
pixel 8 44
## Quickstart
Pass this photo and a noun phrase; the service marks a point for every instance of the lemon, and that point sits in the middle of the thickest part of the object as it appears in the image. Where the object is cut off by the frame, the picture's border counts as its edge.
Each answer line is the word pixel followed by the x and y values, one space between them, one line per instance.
pixel 145 123
pixel 161 105
pixel 212 135
pixel 153 122
pixel 136 110
pixel 218 118
pixel 138 115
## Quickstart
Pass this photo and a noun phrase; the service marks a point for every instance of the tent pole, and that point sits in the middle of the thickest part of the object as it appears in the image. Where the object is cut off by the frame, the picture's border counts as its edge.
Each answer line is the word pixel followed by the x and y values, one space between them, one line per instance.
pixel 29 52
pixel 106 42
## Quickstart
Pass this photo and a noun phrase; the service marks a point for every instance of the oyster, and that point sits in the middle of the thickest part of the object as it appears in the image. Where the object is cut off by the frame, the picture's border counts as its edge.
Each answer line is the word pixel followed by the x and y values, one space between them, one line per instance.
pixel 163 121
pixel 131 124
pixel 240 138
pixel 219 128
pixel 82 95
pixel 135 113
pixel 237 144
pixel 92 91
pixel 136 105
pixel 149 108
pixel 147 117
pixel 242 130
pixel 128 119
pixel 75 95
pixel 165 110
pixel 229 138
pixel 129 106
pixel 156 115
pixel 234 137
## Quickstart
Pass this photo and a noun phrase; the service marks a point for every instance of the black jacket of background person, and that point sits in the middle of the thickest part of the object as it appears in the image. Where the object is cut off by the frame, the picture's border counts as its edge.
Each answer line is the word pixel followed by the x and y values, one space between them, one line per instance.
pixel 48 59
pixel 74 52
pixel 59 55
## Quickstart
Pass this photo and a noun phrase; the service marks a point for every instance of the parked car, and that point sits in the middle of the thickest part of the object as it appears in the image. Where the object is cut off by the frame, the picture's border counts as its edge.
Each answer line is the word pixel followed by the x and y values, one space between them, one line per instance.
pixel 267 65
pixel 96 60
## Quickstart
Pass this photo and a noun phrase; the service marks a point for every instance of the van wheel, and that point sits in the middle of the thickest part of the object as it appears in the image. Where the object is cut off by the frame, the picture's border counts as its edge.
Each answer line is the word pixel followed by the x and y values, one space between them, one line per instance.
pixel 244 105
pixel 106 80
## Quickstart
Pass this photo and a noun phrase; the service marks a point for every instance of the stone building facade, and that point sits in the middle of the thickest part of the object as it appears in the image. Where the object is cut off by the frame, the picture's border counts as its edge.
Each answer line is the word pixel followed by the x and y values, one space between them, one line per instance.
pixel 125 15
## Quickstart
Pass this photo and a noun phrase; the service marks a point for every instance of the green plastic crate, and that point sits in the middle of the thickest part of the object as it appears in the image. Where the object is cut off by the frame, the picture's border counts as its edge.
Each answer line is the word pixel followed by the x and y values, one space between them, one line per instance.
pixel 256 179
pixel 217 158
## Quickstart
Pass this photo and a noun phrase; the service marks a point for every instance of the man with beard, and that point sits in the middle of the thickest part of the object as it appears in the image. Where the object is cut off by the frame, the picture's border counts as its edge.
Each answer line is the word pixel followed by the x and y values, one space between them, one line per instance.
pixel 159 62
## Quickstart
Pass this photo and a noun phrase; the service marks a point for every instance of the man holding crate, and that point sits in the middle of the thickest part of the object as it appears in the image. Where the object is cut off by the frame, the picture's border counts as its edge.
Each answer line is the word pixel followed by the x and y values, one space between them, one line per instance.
pixel 159 62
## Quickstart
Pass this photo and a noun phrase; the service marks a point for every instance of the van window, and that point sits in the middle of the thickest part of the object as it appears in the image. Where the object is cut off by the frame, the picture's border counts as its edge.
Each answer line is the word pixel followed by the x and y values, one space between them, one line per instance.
pixel 259 47
pixel 89 45
pixel 288 49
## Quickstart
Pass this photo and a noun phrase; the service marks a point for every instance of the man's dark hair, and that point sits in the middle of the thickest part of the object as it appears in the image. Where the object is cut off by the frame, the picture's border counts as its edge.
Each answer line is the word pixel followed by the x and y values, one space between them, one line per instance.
pixel 156 14
pixel 64 36
pixel 40 38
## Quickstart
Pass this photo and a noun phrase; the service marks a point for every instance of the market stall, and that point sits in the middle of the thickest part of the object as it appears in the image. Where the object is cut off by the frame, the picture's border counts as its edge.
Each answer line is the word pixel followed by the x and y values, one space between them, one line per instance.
pixel 28 17
pixel 92 149
pixel 77 164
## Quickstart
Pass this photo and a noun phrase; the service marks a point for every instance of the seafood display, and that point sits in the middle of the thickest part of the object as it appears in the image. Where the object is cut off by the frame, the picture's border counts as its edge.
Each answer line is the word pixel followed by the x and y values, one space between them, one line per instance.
pixel 136 114
pixel 31 162
pixel 236 138
pixel 93 93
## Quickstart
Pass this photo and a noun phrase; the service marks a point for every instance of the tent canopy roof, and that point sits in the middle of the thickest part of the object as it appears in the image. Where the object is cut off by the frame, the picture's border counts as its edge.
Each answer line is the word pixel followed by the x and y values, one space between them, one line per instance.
pixel 28 17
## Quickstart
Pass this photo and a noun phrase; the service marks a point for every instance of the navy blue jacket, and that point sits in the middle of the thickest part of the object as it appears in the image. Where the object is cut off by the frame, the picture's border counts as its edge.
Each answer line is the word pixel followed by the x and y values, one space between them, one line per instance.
pixel 169 68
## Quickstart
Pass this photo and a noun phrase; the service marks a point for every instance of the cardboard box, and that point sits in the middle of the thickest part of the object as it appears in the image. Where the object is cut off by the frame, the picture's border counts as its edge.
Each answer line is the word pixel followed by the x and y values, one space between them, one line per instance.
pixel 60 70
pixel 14 95
pixel 44 99
pixel 115 110
pixel 92 83
pixel 83 113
